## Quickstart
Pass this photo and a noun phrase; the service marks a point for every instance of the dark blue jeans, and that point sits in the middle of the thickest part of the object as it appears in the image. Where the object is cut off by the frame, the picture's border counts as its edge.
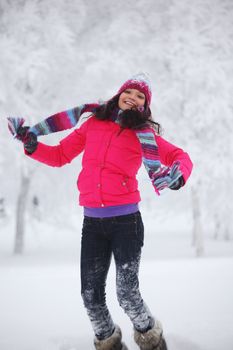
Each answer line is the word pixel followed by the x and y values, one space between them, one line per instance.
pixel 122 237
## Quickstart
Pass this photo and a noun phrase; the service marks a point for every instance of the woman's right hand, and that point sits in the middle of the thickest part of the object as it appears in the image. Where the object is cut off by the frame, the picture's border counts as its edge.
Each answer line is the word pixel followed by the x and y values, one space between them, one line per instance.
pixel 29 139
pixel 22 133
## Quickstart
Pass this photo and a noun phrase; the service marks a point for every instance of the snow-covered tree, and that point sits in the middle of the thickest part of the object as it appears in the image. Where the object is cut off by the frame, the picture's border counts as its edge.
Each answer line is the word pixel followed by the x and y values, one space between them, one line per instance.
pixel 55 55
pixel 30 58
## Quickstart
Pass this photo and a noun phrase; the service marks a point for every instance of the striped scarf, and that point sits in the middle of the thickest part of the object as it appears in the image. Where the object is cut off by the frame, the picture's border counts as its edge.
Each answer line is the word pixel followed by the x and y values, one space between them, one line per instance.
pixel 160 176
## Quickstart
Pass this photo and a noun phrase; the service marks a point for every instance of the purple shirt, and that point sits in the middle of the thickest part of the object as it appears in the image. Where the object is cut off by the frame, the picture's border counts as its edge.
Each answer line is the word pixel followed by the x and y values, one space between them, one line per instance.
pixel 107 212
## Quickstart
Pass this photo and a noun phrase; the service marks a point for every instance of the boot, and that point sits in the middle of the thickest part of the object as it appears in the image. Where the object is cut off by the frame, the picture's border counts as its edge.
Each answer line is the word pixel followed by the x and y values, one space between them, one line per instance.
pixel 152 339
pixel 112 343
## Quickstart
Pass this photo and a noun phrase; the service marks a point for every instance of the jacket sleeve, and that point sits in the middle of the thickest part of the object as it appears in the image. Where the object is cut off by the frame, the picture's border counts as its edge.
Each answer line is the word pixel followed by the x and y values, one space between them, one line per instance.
pixel 67 149
pixel 170 153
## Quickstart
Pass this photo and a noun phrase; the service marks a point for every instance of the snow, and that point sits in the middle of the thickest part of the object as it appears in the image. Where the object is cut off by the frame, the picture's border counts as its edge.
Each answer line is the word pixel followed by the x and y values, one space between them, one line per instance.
pixel 56 55
pixel 41 307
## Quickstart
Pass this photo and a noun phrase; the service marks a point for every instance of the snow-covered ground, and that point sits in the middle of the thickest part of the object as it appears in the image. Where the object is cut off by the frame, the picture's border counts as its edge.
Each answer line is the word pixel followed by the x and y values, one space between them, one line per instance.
pixel 41 306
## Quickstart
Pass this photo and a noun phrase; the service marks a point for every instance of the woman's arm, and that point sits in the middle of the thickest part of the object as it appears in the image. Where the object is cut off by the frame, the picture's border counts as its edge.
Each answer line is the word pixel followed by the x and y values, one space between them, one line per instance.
pixel 170 153
pixel 65 152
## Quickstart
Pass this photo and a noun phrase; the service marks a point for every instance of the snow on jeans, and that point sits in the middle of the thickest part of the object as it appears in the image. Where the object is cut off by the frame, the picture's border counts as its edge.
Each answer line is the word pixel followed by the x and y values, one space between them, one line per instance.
pixel 123 237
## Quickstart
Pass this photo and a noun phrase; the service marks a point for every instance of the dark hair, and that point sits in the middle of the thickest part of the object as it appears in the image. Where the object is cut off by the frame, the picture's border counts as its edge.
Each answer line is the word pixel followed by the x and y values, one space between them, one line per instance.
pixel 128 119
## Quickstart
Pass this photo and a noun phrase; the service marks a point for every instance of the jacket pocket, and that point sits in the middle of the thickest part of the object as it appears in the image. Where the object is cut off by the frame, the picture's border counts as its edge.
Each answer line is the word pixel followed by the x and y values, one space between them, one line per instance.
pixel 130 183
pixel 118 184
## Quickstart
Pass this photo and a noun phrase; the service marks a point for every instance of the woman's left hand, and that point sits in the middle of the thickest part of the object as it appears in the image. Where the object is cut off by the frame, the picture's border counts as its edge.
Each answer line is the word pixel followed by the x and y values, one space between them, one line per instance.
pixel 170 177
pixel 178 184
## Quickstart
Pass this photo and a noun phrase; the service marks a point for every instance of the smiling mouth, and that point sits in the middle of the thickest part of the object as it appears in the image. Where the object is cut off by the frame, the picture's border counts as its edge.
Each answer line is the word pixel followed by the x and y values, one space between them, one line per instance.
pixel 131 104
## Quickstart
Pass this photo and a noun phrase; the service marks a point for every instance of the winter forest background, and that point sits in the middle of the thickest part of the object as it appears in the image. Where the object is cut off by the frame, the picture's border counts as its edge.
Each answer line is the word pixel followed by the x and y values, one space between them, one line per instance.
pixel 59 54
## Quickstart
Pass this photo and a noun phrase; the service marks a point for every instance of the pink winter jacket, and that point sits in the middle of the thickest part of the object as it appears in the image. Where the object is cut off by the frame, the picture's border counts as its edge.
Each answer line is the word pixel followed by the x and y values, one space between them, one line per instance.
pixel 110 161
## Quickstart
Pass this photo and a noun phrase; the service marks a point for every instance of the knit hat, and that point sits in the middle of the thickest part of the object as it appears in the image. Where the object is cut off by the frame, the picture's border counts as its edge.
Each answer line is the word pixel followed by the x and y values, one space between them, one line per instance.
pixel 140 82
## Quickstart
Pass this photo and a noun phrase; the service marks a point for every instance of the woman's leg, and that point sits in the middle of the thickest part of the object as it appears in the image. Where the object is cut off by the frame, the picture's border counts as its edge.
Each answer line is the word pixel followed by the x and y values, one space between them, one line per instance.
pixel 95 262
pixel 127 243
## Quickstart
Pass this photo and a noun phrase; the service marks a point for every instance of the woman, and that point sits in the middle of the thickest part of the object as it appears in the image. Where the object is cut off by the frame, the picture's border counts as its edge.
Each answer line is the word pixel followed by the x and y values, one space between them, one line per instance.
pixel 117 137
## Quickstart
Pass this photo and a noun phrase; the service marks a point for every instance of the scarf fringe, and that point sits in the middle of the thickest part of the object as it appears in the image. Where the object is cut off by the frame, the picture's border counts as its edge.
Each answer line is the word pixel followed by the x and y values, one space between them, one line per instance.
pixel 14 124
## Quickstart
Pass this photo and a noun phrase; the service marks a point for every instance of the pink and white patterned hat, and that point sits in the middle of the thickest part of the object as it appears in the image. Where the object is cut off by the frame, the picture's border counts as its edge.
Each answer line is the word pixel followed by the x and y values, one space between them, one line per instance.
pixel 140 82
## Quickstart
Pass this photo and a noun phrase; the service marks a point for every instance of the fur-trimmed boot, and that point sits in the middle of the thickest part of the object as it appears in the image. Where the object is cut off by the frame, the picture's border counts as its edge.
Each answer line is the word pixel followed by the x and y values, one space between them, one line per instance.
pixel 111 343
pixel 152 339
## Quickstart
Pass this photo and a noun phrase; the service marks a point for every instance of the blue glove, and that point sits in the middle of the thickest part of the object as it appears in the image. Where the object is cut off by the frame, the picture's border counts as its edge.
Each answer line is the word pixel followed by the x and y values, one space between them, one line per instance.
pixel 31 143
pixel 170 177
pixel 29 139
pixel 21 133
pixel 178 184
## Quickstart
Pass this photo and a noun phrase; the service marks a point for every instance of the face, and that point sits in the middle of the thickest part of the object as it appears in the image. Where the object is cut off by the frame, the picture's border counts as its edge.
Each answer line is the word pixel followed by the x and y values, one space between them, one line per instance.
pixel 131 98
